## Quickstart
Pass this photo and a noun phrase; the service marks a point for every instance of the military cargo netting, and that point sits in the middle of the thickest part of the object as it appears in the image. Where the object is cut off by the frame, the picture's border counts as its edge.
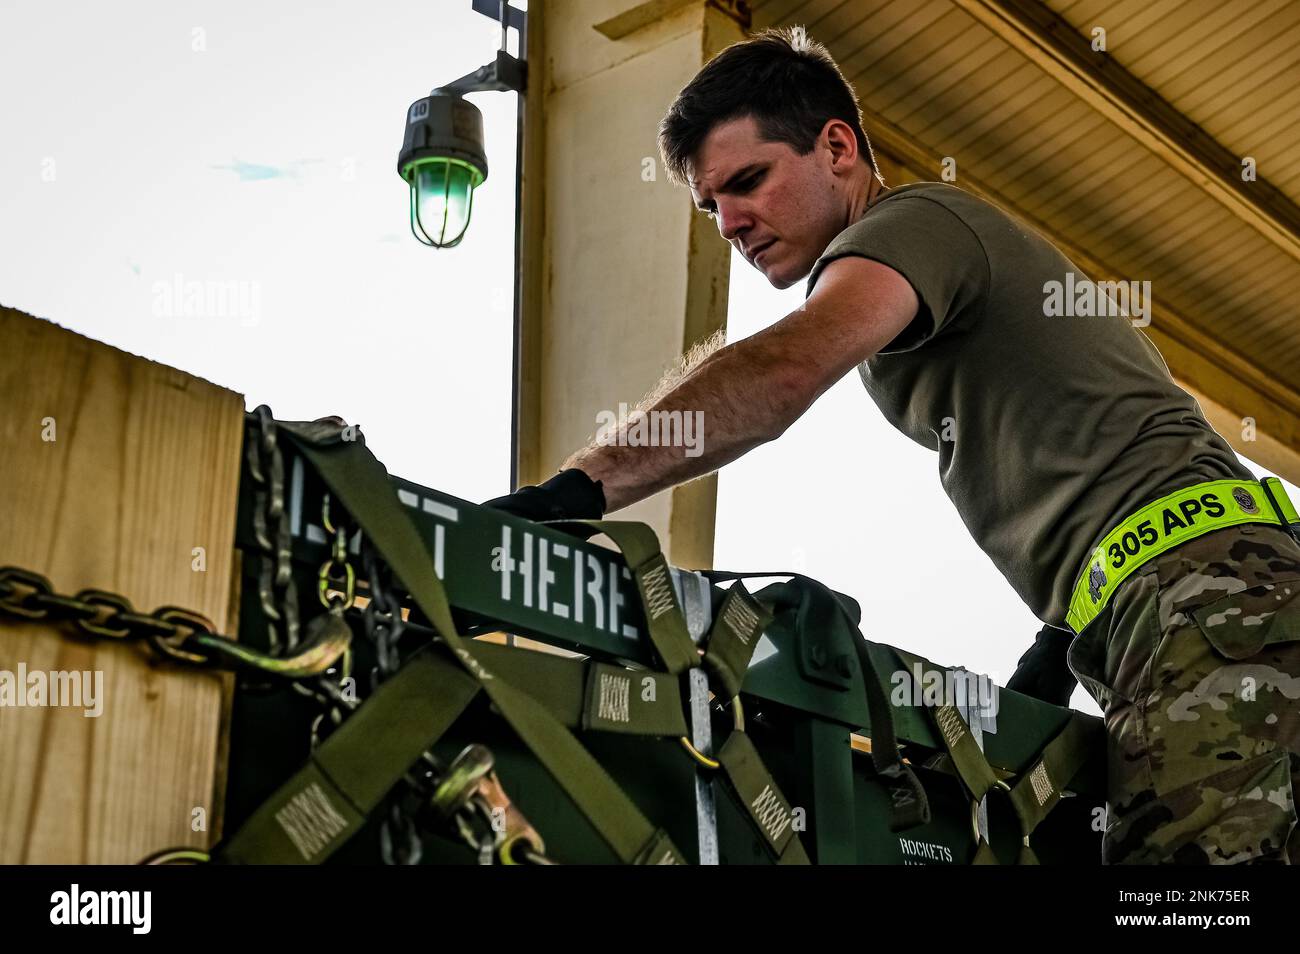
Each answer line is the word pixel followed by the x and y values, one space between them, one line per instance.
pixel 697 722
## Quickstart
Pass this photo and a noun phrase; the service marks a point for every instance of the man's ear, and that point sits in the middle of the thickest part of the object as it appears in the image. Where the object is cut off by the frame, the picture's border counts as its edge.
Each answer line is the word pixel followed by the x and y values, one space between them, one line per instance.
pixel 841 141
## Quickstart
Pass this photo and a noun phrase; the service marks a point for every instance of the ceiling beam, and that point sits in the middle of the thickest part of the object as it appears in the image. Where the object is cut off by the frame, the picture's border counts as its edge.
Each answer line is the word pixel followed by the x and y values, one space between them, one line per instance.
pixel 1066 55
pixel 638 16
pixel 641 15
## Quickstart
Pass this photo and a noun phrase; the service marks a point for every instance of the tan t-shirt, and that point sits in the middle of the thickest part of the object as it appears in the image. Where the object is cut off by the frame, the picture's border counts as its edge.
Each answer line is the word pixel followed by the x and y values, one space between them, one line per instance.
pixel 1050 428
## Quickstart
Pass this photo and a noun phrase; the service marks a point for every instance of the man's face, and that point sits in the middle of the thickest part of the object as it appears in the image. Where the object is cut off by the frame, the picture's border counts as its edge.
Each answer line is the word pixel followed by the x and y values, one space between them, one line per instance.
pixel 777 208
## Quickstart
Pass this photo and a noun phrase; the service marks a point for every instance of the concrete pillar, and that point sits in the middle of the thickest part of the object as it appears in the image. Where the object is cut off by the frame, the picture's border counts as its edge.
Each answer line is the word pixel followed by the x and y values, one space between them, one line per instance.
pixel 619 275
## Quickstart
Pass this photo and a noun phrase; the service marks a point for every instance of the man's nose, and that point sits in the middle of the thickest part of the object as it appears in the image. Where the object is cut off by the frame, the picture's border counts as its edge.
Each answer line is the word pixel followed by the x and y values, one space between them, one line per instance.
pixel 732 220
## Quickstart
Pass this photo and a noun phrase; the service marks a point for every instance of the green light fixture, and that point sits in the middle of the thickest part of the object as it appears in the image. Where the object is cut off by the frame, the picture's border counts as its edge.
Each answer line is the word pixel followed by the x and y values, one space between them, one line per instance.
pixel 443 159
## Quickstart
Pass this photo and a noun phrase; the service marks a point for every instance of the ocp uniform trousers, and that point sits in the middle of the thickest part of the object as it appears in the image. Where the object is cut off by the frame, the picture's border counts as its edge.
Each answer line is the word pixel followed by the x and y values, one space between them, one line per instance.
pixel 1195 662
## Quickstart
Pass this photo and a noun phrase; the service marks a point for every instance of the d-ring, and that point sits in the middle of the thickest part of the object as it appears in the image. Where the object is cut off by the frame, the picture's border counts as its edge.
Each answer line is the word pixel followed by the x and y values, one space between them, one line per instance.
pixel 738 724
pixel 975 809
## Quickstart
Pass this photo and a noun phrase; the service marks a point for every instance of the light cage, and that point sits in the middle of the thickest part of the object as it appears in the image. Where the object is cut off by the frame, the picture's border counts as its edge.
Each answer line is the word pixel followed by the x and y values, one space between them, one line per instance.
pixel 442 199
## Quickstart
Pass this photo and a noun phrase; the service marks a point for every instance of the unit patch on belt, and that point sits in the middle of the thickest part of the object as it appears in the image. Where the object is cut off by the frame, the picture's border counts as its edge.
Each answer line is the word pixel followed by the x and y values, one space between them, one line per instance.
pixel 1159 526
pixel 1177 515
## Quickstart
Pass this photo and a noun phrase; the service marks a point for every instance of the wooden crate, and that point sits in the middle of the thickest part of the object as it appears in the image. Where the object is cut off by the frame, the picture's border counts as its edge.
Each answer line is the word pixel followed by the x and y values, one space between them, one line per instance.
pixel 114 472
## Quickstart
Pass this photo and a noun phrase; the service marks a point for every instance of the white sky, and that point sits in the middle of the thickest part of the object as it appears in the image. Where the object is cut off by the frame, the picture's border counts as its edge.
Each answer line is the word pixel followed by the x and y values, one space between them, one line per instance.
pixel 132 160
pixel 355 317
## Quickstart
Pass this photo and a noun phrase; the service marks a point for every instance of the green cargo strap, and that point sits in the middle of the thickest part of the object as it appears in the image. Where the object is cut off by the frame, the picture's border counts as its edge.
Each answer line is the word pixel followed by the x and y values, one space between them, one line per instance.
pixel 732 638
pixel 794 854
pixel 556 682
pixel 632 701
pixel 984 854
pixel 664 619
pixel 349 774
pixel 1042 784
pixel 570 691
pixel 644 703
pixel 967 757
pixel 1159 526
pixel 361 484
pixel 767 808
pixel 660 851
pixel 818 609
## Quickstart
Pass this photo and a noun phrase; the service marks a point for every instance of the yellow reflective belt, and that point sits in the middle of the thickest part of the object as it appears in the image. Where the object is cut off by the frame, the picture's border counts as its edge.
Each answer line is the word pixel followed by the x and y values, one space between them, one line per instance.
pixel 1164 524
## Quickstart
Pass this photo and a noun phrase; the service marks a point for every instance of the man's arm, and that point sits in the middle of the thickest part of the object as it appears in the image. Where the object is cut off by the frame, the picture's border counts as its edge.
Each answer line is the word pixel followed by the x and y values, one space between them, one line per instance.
pixel 750 392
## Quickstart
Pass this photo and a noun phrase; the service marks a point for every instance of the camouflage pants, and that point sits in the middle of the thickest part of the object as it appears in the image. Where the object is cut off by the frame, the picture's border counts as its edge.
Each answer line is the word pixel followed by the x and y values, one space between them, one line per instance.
pixel 1195 662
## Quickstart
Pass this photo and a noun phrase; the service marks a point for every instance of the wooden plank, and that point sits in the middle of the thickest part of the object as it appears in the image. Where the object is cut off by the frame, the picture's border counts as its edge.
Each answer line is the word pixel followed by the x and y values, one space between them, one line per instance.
pixel 143 468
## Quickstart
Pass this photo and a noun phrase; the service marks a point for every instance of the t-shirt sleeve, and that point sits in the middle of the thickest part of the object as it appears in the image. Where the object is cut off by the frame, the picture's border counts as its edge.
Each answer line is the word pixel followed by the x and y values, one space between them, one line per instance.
pixel 930 246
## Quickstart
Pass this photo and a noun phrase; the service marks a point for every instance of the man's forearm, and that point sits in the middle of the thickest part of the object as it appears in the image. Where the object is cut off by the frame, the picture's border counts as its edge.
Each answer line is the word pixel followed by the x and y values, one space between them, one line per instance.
pixel 742 395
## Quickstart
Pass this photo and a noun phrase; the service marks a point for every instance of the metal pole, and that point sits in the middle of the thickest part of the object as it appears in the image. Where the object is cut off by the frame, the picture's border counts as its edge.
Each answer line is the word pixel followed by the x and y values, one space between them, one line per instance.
pixel 517 345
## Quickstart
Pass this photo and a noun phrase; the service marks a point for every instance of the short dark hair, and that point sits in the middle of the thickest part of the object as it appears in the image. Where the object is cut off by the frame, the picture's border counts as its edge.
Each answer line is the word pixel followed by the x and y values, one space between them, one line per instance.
pixel 786 81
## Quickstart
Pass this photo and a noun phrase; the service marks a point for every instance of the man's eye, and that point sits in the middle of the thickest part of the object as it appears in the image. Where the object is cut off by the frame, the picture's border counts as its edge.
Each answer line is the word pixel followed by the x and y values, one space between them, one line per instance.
pixel 752 181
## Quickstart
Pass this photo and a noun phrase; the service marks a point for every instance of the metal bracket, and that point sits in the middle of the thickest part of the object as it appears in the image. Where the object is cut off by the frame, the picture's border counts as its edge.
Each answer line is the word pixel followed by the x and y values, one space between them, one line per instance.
pixel 503 74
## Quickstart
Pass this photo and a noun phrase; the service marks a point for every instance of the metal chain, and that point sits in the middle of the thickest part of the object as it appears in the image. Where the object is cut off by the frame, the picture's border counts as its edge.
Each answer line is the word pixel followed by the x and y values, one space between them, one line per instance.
pixel 169 629
pixel 383 620
pixel 399 838
pixel 173 632
pixel 327 690
pixel 399 835
pixel 276 589
pixel 338 559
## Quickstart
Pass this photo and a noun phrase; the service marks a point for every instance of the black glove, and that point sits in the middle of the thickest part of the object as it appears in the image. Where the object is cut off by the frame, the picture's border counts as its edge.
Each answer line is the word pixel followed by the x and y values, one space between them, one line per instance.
pixel 569 495
pixel 1043 671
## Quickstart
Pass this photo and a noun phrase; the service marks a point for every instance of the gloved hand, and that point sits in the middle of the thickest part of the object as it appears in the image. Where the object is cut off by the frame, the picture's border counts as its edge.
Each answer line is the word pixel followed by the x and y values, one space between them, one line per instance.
pixel 1043 671
pixel 569 495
